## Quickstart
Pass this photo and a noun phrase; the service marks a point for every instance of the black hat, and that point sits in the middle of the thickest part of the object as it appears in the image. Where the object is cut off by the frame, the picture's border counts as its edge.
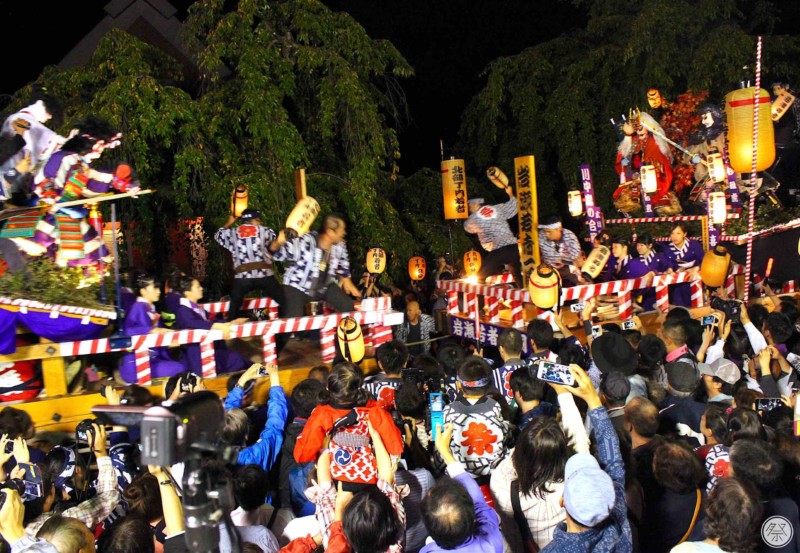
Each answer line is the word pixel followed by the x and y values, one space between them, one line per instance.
pixel 615 386
pixel 682 377
pixel 612 352
pixel 249 215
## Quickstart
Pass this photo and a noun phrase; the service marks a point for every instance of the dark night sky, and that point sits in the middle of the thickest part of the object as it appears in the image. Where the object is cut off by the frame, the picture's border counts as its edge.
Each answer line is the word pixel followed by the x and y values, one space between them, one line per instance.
pixel 448 43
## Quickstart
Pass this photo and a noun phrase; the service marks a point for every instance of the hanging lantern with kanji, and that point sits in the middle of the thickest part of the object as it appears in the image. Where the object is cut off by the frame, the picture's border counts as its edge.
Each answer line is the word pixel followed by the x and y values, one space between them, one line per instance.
pixel 739 117
pixel 376 261
pixel 416 268
pixel 238 200
pixel 472 262
pixel 716 168
pixel 649 178
pixel 575 203
pixel 717 210
pixel 454 189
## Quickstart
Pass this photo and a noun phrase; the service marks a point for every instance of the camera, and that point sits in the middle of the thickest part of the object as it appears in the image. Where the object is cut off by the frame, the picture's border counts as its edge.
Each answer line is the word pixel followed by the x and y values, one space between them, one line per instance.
pixel 10 446
pixel 169 431
pixel 731 308
pixel 190 380
pixel 413 375
pixel 262 371
pixel 628 325
pixel 85 431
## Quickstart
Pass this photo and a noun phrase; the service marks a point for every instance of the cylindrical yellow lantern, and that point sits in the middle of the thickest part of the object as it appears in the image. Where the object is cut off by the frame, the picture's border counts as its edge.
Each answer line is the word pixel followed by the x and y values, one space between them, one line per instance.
pixel 739 116
pixel 654 98
pixel 649 178
pixel 595 263
pixel 714 269
pixel 238 200
pixel 575 203
pixel 472 262
pixel 717 210
pixel 498 178
pixel 716 168
pixel 454 189
pixel 350 340
pixel 544 287
pixel 376 261
pixel 416 268
pixel 302 217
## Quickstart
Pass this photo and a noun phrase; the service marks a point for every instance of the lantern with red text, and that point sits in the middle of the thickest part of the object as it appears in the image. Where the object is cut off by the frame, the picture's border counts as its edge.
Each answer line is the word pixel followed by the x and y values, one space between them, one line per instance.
pixel 416 268
pixel 716 168
pixel 717 210
pixel 472 262
pixel 649 178
pixel 454 189
pixel 740 121
pixel 238 200
pixel 575 203
pixel 376 261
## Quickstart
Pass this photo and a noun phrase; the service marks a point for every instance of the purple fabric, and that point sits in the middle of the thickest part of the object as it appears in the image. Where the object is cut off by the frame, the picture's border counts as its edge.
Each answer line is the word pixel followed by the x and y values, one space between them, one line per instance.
pixel 140 320
pixel 8 319
pixel 196 317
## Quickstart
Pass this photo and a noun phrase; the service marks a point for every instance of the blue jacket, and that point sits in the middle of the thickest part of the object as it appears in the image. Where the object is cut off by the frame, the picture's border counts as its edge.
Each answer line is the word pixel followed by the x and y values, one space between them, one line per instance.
pixel 265 451
pixel 614 534
pixel 486 537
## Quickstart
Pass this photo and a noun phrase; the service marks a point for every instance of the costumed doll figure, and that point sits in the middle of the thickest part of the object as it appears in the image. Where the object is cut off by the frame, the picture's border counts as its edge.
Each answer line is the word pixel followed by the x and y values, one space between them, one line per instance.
pixel 64 233
pixel 639 147
pixel 709 139
pixel 656 262
pixel 143 319
pixel 686 255
pixel 190 315
pixel 345 412
pixel 29 124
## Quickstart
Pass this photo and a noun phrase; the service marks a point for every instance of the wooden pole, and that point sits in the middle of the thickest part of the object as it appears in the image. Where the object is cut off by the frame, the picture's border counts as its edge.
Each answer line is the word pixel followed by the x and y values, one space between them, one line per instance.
pixel 300 184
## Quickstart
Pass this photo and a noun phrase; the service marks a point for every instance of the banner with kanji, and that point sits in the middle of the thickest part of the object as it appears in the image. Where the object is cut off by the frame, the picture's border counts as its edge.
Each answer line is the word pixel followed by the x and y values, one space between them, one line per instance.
pixel 594 215
pixel 454 189
pixel 489 333
pixel 528 214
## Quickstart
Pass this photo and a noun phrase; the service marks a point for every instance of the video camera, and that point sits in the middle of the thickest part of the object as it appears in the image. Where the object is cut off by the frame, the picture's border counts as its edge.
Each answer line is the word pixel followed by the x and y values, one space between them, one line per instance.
pixel 169 430
pixel 731 308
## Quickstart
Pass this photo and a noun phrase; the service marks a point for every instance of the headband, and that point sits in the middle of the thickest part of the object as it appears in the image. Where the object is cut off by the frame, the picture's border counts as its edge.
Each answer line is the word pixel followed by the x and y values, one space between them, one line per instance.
pixel 551 226
pixel 480 383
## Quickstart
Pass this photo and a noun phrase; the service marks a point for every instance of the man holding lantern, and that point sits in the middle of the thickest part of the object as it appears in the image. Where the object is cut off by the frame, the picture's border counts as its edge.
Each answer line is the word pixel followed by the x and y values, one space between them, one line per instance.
pixel 490 223
pixel 252 263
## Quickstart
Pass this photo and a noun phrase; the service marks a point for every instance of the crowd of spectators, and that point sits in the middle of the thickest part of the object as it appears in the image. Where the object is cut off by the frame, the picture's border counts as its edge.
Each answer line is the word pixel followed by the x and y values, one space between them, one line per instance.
pixel 680 438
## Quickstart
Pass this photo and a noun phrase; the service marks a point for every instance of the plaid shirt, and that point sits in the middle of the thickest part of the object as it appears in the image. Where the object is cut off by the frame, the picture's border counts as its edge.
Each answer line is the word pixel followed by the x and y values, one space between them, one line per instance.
pixel 247 244
pixel 564 251
pixel 92 511
pixel 491 226
pixel 303 256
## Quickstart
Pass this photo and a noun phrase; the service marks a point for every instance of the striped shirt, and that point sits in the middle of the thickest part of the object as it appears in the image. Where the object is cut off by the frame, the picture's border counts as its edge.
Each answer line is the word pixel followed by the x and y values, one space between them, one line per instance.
pixel 491 225
pixel 565 250
pixel 248 244
pixel 304 257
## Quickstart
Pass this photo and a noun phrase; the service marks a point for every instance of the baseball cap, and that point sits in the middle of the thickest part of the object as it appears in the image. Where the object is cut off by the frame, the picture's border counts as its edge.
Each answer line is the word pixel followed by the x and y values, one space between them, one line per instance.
pixel 682 377
pixel 722 368
pixel 249 215
pixel 615 386
pixel 588 490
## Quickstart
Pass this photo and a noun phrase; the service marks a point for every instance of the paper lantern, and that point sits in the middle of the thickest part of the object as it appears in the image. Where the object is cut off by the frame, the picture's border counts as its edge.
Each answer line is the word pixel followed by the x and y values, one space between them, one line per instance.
pixel 716 168
pixel 595 263
pixel 654 98
pixel 649 178
pixel 472 262
pixel 376 261
pixel 714 269
pixel 544 287
pixel 498 178
pixel 416 268
pixel 238 200
pixel 302 217
pixel 739 116
pixel 575 203
pixel 717 210
pixel 350 340
pixel 454 189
